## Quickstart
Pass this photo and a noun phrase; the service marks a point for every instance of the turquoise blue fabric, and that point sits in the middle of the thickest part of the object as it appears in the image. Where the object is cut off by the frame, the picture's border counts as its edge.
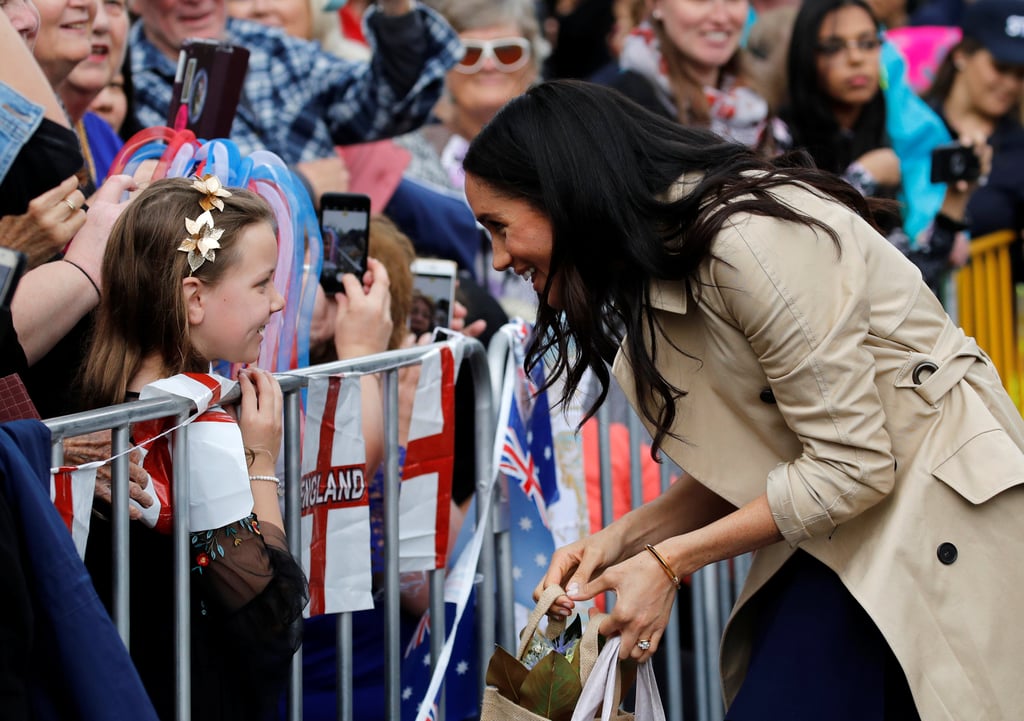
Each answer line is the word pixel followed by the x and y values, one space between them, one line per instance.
pixel 914 129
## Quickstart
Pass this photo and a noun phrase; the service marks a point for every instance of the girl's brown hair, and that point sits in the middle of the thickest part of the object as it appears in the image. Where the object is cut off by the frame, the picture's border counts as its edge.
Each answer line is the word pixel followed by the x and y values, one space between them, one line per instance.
pixel 143 311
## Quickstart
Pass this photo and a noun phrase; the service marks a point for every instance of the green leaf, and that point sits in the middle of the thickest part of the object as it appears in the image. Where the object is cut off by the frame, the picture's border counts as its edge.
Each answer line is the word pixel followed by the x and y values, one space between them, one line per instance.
pixel 551 689
pixel 506 674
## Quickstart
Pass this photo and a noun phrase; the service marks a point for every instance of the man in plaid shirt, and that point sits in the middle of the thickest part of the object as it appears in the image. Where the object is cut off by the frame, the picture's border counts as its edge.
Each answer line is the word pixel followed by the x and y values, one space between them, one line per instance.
pixel 297 100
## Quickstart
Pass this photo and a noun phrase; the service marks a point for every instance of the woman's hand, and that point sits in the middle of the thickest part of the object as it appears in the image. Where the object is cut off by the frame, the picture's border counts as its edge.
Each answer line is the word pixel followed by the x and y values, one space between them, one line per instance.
pixel 362 323
pixel 50 223
pixel 643 602
pixel 884 166
pixel 574 566
pixel 260 417
pixel 97 447
pixel 87 248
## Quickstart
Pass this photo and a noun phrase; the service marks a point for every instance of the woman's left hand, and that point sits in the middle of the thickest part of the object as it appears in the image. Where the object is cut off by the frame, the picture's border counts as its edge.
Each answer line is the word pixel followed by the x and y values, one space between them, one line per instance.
pixel 643 602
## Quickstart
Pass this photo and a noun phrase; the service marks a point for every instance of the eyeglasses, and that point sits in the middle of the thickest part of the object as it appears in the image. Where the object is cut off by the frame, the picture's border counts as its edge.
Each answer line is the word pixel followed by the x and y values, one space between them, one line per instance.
pixel 833 46
pixel 508 54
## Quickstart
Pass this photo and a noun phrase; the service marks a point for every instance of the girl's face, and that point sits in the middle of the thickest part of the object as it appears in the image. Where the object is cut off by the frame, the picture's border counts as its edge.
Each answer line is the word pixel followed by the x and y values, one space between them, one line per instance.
pixel 227 318
pixel 111 104
pixel 421 316
pixel 24 18
pixel 847 53
pixel 65 36
pixel 482 92
pixel 521 236
pixel 290 15
pixel 992 89
pixel 706 32
pixel 109 38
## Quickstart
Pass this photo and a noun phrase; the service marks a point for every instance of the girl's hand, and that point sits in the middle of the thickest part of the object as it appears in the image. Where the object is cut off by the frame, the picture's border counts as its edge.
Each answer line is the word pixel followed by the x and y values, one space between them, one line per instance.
pixel 260 417
pixel 362 325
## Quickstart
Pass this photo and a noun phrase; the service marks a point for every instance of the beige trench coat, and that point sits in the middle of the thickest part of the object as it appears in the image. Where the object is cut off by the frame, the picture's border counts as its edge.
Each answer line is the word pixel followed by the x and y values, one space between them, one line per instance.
pixel 888 449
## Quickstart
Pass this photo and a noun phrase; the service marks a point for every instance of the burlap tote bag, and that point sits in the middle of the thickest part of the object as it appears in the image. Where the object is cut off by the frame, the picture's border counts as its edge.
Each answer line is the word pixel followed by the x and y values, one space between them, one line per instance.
pixel 497 707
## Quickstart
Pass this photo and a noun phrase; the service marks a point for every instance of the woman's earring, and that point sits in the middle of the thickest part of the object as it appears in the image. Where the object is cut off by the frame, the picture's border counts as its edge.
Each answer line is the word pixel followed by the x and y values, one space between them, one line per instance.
pixel 656 14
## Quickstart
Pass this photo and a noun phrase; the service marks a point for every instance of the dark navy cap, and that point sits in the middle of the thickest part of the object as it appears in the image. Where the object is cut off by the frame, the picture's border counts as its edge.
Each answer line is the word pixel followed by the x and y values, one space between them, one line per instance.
pixel 999 26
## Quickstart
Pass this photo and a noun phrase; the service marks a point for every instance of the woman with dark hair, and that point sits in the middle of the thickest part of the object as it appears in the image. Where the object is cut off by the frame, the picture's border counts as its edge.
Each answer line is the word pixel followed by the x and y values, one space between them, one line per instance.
pixel 828 413
pixel 977 89
pixel 837 113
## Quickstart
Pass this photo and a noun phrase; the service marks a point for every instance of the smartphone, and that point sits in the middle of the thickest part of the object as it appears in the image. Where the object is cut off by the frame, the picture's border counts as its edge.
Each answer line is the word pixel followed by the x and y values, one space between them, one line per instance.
pixel 345 229
pixel 433 300
pixel 12 265
pixel 953 162
pixel 207 87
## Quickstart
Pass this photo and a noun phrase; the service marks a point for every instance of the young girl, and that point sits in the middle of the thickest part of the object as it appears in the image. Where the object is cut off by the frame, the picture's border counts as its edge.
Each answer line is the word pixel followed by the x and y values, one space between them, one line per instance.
pixel 188 278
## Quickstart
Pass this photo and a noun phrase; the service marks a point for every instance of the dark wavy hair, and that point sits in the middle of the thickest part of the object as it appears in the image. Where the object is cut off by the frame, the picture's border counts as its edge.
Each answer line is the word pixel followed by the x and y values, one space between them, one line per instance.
pixel 598 166
pixel 808 113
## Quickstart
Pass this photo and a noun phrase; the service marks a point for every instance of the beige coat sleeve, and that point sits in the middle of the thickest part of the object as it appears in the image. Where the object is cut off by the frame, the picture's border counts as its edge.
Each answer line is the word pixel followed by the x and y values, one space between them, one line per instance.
pixel 803 307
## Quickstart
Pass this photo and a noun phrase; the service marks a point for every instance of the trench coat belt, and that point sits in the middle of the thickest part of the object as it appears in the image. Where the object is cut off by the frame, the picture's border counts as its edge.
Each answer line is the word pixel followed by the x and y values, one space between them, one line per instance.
pixel 937 378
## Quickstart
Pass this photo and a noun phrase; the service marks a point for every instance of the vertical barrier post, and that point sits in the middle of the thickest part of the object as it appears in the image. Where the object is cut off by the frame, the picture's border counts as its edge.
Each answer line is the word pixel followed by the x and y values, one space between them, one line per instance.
pixel 673 653
pixel 344 667
pixel 392 584
pixel 438 626
pixel 119 528
pixel 607 490
pixel 293 524
pixel 182 569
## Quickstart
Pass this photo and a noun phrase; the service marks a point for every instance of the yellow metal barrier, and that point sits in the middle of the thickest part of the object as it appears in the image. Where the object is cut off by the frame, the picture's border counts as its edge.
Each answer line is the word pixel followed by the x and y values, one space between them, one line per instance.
pixel 986 298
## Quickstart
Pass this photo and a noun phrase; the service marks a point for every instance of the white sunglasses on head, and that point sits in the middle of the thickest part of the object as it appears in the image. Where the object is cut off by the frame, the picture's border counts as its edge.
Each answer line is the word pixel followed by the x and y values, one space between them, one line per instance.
pixel 508 54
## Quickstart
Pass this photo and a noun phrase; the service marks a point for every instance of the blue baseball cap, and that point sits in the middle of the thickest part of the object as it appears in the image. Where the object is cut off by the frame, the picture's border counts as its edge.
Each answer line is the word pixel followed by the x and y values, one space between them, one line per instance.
pixel 999 26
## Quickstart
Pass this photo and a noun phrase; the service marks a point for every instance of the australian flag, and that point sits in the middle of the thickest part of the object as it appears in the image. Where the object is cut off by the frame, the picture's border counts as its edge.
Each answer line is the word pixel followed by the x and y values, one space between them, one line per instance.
pixel 461 696
pixel 528 463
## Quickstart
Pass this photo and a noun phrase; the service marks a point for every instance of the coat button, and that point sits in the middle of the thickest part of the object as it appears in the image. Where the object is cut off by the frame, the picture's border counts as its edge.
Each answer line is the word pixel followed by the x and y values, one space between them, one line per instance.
pixel 946 553
pixel 767 396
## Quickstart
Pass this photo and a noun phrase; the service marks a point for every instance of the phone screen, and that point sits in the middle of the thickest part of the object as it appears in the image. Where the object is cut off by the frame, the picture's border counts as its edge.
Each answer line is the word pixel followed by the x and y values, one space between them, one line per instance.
pixel 433 299
pixel 345 231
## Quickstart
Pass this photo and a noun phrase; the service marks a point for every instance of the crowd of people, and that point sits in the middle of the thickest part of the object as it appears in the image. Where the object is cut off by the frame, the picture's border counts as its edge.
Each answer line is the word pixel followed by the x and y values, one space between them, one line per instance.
pixel 613 171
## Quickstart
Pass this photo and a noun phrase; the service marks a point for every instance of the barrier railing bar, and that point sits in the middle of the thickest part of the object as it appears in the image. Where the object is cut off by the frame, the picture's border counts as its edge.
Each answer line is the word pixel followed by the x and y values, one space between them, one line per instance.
pixel 182 616
pixel 607 491
pixel 293 523
pixel 119 530
pixel 673 652
pixel 700 633
pixel 438 626
pixel 712 638
pixel 485 423
pixel 345 666
pixel 392 582
pixel 500 357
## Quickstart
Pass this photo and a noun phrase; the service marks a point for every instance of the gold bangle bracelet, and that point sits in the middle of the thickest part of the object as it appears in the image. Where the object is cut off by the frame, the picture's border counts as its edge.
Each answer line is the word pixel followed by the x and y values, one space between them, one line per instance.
pixel 664 565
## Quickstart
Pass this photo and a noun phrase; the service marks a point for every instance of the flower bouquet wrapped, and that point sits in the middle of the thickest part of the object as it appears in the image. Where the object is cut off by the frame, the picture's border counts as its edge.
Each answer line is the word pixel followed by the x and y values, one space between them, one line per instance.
pixel 543 682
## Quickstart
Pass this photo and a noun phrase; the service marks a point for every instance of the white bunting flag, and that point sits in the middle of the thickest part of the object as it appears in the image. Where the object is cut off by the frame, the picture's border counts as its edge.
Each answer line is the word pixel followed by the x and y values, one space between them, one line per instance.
pixel 71 490
pixel 425 499
pixel 219 490
pixel 335 499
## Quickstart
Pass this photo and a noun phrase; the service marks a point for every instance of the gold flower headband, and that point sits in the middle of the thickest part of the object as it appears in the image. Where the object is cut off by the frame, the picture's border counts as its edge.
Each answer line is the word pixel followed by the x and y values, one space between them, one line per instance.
pixel 204 238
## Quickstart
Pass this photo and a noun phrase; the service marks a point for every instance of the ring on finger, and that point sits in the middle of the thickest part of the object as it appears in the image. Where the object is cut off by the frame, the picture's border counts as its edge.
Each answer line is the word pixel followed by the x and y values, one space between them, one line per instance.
pixel 70 205
pixel 644 644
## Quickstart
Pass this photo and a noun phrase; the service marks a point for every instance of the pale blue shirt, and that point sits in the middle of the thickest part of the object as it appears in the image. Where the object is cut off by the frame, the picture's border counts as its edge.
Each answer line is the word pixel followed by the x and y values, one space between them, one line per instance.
pixel 19 119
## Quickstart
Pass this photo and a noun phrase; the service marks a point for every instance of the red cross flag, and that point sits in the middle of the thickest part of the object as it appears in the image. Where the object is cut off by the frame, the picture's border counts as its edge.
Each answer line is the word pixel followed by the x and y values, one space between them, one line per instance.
pixel 219 491
pixel 335 501
pixel 426 495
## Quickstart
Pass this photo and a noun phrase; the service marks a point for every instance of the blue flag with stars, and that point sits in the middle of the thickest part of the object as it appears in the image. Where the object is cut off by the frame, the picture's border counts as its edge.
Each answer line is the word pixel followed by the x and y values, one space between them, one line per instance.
pixel 528 464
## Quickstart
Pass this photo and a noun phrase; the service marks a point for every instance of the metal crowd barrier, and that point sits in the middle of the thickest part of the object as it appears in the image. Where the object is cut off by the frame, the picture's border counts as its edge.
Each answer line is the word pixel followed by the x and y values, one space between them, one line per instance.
pixel 118 419
pixel 714 588
pixel 985 305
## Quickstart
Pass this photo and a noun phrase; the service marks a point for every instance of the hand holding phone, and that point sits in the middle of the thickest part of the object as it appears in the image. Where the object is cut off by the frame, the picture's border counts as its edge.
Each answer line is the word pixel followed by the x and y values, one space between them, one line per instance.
pixel 345 228
pixel 954 162
pixel 433 294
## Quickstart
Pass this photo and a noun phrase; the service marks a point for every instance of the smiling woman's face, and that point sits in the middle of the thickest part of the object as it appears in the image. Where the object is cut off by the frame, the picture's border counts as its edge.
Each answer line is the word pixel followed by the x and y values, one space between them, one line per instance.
pixel 65 36
pixel 521 236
